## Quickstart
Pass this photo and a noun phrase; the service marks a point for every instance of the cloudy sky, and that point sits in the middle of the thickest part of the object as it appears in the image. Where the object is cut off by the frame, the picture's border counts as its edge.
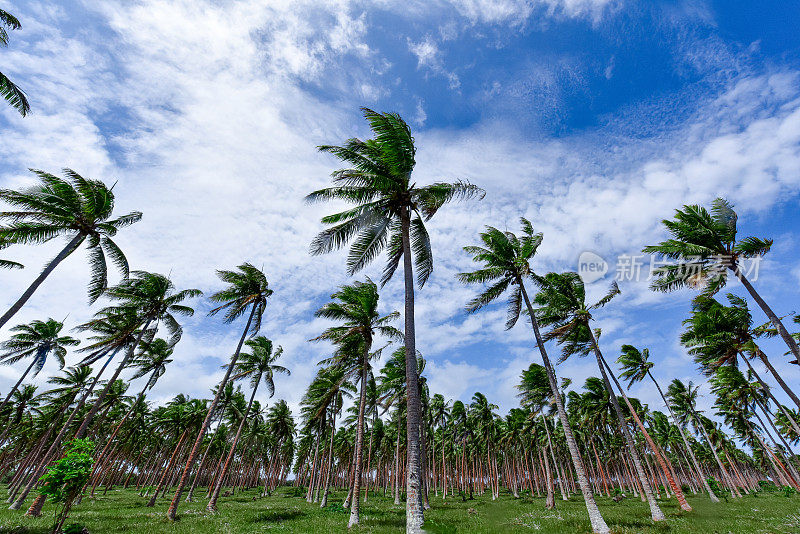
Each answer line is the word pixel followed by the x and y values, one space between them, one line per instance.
pixel 593 118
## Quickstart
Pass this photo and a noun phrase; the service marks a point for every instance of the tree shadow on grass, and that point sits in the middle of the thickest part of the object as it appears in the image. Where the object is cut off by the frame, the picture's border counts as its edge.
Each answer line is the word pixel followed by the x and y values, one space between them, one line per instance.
pixel 25 530
pixel 274 516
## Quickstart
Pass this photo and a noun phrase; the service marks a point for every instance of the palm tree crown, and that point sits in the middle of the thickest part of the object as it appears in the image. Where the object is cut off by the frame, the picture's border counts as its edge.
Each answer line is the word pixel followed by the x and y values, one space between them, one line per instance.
pixel 379 184
pixel 260 364
pixel 8 90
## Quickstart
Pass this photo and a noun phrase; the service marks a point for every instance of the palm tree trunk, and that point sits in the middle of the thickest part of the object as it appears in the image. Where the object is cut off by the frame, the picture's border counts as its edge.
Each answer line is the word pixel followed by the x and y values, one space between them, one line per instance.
pixel 697 467
pixel 598 523
pixel 414 508
pixel 172 512
pixel 56 445
pixel 212 504
pixel 74 243
pixel 327 477
pixel 8 397
pixel 650 443
pixel 655 512
pixel 354 507
pixel 774 319
pixel 167 470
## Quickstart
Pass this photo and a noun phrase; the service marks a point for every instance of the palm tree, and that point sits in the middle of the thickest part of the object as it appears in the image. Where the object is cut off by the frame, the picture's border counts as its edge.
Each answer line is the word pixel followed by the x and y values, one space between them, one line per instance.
pixel 390 212
pixel 355 307
pixel 636 365
pixel 505 260
pixel 141 300
pixel 152 299
pixel 10 92
pixel 73 206
pixel 563 307
pixel 705 247
pixel 247 288
pixel 37 341
pixel 256 365
pixel 683 398
pixel 152 360
pixel 717 334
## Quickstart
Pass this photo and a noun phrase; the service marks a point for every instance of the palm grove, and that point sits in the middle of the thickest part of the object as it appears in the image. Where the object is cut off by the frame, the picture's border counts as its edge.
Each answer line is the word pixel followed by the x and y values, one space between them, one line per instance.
pixel 363 429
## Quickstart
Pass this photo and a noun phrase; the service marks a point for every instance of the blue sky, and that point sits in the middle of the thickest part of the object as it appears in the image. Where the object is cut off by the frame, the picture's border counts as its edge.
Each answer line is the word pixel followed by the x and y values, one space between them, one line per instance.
pixel 593 118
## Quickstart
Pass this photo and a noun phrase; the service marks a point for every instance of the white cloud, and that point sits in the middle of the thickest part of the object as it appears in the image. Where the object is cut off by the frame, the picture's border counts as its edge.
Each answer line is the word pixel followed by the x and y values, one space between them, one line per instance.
pixel 213 138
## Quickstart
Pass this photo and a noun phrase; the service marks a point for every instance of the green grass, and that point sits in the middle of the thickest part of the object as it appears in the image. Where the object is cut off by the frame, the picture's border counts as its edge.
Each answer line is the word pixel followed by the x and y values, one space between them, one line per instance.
pixel 124 511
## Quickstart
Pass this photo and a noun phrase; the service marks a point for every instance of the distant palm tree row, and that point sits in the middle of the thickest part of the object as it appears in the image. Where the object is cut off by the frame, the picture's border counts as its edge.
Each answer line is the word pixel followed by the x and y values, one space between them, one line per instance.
pixel 359 429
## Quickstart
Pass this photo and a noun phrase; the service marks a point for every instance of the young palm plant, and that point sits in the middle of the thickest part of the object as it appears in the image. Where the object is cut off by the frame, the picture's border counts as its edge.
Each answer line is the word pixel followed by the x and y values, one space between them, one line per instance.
pixel 247 288
pixel 390 213
pixel 10 92
pixel 563 308
pixel 705 247
pixel 72 206
pixel 505 263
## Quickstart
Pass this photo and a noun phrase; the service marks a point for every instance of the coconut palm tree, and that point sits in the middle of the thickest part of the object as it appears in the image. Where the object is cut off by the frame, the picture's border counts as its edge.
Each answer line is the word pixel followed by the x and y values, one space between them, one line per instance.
pixel 37 340
pixel 563 308
pixel 705 246
pixel 717 335
pixel 390 213
pixel 151 299
pixel 355 308
pixel 683 398
pixel 636 365
pixel 505 264
pixel 257 365
pixel 152 361
pixel 10 92
pixel 247 288
pixel 72 206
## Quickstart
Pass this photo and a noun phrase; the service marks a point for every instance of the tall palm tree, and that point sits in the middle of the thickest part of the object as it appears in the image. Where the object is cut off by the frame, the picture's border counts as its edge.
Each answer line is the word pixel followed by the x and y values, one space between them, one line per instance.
pixel 390 212
pixel 716 334
pixel 257 365
pixel 72 206
pixel 636 365
pixel 10 92
pixel 247 288
pixel 355 308
pixel 705 246
pixel 505 264
pixel 148 298
pixel 37 340
pixel 683 398
pixel 152 361
pixel 153 299
pixel 563 307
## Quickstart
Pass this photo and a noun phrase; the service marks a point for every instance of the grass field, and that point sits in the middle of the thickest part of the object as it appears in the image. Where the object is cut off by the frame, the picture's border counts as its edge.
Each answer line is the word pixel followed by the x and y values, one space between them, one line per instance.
pixel 124 511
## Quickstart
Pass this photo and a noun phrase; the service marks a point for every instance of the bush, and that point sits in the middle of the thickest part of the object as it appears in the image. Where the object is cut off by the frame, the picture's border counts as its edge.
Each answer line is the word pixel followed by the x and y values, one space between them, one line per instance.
pixel 64 480
pixel 788 491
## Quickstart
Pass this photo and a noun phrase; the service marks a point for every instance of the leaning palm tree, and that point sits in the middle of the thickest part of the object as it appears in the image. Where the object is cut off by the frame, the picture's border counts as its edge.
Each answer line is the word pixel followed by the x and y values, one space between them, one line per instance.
pixel 505 263
pixel 72 206
pixel 150 298
pixel 390 212
pixel 355 307
pixel 563 308
pixel 636 366
pixel 257 365
pixel 704 246
pixel 37 341
pixel 10 92
pixel 247 289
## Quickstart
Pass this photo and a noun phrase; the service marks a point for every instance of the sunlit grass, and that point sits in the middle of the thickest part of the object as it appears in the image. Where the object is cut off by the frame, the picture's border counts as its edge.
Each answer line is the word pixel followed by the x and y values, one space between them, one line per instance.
pixel 123 511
